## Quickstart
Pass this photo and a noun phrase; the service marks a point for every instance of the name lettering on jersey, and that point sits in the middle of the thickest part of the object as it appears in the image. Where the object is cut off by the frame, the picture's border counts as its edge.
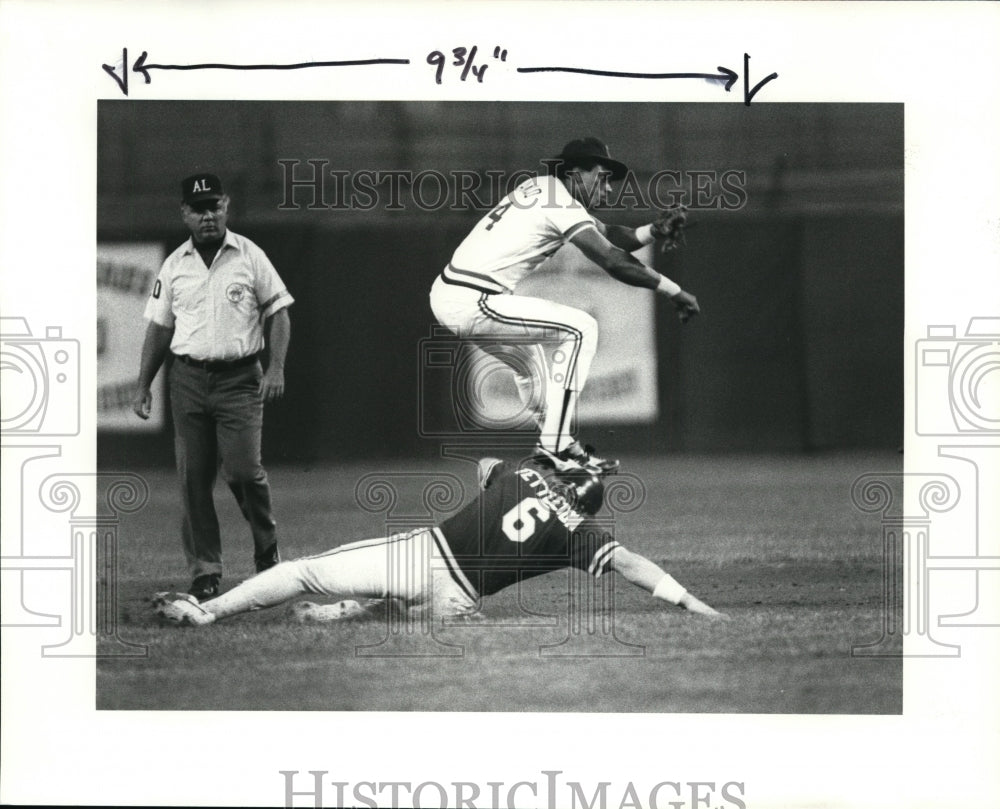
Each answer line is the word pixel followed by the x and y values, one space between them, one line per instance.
pixel 563 511
pixel 522 195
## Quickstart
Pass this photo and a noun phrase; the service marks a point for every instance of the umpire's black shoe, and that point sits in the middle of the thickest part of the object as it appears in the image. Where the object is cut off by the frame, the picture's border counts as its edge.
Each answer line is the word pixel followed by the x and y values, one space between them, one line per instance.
pixel 267 559
pixel 205 586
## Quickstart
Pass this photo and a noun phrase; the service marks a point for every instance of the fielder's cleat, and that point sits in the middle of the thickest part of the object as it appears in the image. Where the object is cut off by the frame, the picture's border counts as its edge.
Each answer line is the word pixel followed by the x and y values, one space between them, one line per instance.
pixel 306 612
pixel 267 559
pixel 576 457
pixel 205 586
pixel 182 609
pixel 603 466
pixel 556 460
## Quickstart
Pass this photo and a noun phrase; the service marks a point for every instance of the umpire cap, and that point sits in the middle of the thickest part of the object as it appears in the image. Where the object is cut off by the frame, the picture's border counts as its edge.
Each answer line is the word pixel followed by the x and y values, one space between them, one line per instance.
pixel 200 187
pixel 585 152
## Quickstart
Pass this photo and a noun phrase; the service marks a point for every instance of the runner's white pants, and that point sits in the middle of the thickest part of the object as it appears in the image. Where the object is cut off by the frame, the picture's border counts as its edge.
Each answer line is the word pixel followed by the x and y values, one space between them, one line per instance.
pixel 416 568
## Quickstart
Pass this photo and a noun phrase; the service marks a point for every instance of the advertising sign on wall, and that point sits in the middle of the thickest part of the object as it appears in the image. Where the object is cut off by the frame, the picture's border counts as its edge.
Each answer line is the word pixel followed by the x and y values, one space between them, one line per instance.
pixel 125 275
pixel 622 384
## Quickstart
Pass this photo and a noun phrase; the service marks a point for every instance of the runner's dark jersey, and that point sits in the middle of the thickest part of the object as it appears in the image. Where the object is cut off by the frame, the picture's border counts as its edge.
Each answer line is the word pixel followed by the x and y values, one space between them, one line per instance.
pixel 518 528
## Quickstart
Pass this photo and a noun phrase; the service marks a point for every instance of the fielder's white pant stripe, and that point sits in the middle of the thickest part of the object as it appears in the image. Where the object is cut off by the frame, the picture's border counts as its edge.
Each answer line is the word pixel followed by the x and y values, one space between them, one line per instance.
pixel 475 280
pixel 577 335
pixel 367 543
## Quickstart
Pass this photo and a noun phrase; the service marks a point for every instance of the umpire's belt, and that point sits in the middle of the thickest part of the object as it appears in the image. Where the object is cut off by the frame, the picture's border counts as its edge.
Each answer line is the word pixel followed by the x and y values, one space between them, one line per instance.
pixel 473 280
pixel 217 365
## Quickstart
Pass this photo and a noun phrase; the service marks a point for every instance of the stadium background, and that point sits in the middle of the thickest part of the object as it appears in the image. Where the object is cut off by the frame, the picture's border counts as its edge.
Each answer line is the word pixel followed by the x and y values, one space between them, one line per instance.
pixel 770 407
pixel 800 346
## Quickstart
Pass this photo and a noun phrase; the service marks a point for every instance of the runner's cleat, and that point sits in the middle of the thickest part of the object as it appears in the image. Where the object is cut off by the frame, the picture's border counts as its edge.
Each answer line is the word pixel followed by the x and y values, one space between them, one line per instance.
pixel 182 609
pixel 306 612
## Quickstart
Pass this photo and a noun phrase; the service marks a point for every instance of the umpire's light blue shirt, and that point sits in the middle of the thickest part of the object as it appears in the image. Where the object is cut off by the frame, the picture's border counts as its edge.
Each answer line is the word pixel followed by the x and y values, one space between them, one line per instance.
pixel 217 312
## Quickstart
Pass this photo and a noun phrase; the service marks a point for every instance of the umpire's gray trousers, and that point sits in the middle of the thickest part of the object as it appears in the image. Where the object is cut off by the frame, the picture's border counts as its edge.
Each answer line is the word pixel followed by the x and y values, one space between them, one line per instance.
pixel 218 417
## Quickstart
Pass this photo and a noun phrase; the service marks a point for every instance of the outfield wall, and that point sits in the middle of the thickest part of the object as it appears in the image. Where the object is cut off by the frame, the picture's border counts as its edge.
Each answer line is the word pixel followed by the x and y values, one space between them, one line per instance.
pixel 801 283
pixel 799 346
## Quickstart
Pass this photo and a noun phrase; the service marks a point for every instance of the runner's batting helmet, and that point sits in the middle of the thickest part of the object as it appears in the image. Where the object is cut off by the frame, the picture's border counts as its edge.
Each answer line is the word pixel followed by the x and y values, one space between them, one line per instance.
pixel 583 489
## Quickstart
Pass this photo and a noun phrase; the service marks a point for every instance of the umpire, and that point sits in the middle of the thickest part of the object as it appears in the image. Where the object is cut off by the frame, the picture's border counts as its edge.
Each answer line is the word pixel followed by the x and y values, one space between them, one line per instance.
pixel 216 299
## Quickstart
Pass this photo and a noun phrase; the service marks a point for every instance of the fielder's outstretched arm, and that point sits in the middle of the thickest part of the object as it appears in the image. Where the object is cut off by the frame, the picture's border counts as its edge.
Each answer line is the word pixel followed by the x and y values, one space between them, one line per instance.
pixel 623 267
pixel 622 237
pixel 667 229
pixel 653 579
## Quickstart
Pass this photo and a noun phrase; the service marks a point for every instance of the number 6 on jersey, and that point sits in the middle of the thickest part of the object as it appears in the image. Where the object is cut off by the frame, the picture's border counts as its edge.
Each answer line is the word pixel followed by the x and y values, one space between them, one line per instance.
pixel 520 523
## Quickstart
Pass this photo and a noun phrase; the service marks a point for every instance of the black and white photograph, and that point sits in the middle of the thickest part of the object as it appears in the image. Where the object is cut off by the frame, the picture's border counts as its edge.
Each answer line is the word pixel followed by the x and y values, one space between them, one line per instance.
pixel 500 404
pixel 428 293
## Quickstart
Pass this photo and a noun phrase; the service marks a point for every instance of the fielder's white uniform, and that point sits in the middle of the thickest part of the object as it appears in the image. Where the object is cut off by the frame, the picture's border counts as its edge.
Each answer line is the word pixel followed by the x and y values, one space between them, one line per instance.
pixel 549 346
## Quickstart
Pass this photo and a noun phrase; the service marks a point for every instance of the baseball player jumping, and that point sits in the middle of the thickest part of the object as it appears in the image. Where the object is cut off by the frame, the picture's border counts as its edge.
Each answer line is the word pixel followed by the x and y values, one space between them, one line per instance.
pixel 527 521
pixel 474 296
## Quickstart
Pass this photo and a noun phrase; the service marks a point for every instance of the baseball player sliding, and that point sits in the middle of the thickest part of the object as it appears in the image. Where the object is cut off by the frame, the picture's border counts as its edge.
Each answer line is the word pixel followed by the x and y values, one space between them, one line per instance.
pixel 474 296
pixel 527 521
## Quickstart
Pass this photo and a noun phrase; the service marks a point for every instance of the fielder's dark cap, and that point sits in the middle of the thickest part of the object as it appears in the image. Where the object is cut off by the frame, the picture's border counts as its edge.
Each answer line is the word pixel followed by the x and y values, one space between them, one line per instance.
pixel 200 187
pixel 585 152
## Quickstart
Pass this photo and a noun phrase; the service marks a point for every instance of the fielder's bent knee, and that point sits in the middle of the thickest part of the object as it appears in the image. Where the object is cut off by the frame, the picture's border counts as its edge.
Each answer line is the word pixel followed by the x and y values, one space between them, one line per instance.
pixel 588 326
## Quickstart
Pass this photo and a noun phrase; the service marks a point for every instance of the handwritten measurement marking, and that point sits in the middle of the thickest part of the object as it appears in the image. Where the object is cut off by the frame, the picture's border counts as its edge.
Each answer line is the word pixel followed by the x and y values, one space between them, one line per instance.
pixel 464 58
pixel 140 66
pixel 725 75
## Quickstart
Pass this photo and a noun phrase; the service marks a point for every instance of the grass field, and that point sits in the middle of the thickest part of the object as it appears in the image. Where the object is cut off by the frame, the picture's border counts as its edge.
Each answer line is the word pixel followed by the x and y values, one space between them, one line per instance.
pixel 772 540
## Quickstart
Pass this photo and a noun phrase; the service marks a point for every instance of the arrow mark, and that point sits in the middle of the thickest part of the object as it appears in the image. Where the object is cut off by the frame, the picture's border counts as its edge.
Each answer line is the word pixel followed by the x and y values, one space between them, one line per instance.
pixel 143 68
pixel 122 80
pixel 748 94
pixel 724 74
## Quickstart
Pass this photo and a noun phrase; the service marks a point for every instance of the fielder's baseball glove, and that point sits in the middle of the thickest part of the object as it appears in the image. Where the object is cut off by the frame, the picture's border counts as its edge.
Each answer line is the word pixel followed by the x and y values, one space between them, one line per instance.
pixel 669 228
